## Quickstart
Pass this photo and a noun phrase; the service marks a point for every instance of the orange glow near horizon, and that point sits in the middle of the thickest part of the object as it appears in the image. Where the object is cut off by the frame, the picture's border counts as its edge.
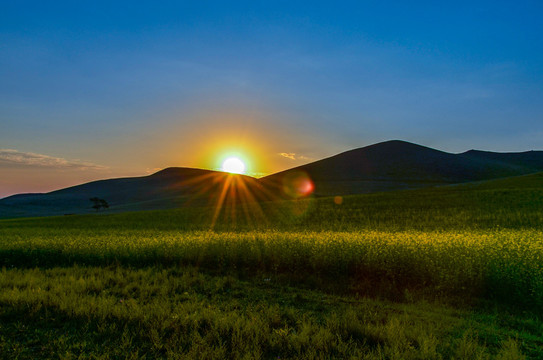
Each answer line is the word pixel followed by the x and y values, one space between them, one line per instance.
pixel 234 156
pixel 258 139
pixel 206 138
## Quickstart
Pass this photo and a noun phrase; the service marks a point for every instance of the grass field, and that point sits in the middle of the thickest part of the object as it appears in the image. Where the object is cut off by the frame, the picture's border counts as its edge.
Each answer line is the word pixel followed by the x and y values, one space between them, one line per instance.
pixel 453 272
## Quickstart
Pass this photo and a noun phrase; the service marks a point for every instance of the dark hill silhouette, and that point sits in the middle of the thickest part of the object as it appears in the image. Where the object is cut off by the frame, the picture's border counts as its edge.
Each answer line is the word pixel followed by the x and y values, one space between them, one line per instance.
pixel 399 164
pixel 389 165
pixel 522 161
pixel 168 188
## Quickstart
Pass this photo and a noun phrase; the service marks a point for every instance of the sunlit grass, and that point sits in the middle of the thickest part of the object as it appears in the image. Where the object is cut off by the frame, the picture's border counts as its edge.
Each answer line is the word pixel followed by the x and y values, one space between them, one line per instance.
pixel 504 265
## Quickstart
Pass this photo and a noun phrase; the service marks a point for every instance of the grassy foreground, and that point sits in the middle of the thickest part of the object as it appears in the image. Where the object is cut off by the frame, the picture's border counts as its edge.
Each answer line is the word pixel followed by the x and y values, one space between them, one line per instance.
pixel 445 273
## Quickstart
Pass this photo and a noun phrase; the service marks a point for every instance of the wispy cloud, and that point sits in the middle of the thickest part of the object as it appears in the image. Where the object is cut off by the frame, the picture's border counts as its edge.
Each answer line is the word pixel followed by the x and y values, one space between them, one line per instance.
pixel 11 157
pixel 293 156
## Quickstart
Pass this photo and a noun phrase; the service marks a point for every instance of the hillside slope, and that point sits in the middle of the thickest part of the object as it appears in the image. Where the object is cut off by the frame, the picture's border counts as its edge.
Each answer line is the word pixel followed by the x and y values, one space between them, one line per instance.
pixel 168 188
pixel 398 164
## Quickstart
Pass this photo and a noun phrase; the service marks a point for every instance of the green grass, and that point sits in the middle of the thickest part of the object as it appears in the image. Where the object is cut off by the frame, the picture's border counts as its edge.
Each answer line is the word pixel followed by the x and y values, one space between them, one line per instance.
pixel 446 273
pixel 504 265
pixel 152 312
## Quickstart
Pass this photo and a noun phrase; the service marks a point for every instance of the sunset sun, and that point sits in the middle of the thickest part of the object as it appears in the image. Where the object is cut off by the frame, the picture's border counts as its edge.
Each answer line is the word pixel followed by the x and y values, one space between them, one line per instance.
pixel 233 165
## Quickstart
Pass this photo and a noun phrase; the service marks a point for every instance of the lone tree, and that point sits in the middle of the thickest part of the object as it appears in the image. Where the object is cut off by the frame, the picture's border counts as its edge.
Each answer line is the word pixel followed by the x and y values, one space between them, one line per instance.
pixel 104 204
pixel 99 203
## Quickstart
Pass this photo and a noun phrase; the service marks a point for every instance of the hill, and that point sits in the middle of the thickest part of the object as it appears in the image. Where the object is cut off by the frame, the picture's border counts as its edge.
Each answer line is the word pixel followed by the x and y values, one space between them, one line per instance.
pixel 168 188
pixel 391 165
pixel 396 164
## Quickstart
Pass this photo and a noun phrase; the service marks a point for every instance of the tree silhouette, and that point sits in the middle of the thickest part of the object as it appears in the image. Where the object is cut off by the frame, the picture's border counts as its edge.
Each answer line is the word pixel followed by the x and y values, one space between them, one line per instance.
pixel 99 203
pixel 104 204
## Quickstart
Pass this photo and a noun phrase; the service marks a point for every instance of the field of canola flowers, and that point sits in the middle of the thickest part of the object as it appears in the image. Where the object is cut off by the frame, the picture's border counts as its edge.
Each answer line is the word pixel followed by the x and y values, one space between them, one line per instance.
pixel 505 265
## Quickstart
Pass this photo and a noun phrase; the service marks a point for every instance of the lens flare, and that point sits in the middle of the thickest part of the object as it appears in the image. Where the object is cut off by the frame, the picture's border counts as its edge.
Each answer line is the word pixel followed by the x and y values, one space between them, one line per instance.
pixel 298 184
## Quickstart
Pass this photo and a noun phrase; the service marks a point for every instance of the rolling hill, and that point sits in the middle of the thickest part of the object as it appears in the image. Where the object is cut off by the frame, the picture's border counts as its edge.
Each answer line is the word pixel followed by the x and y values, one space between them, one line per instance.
pixel 385 166
pixel 168 188
pixel 396 164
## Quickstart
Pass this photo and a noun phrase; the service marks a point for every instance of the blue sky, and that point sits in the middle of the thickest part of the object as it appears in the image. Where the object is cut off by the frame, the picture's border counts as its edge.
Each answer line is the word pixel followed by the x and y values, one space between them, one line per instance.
pixel 101 89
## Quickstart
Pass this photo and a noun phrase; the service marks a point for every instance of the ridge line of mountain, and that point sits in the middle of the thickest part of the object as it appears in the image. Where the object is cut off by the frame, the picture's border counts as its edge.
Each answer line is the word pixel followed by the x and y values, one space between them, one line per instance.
pixel 385 166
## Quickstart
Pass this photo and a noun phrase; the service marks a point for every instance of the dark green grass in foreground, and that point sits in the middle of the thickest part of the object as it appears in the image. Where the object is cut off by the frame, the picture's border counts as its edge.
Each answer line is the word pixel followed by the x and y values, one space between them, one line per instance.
pixel 153 312
pixel 452 272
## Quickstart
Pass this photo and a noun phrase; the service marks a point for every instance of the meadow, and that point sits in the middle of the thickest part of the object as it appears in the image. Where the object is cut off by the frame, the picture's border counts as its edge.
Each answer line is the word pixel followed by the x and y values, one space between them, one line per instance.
pixel 450 272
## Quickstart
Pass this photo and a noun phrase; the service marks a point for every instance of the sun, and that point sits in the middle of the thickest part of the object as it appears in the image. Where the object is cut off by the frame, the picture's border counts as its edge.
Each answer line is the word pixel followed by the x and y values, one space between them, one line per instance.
pixel 233 165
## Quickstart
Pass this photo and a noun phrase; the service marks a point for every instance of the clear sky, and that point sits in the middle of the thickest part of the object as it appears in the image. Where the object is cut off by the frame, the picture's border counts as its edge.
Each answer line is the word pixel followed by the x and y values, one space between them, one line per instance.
pixel 99 89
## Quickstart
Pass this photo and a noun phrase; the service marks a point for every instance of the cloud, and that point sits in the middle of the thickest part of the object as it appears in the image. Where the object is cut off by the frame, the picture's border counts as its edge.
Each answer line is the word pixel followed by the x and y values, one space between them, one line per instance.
pixel 10 157
pixel 293 156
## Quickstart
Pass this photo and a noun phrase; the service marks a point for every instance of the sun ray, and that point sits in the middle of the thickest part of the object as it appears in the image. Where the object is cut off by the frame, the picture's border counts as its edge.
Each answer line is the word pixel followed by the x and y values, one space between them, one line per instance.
pixel 232 199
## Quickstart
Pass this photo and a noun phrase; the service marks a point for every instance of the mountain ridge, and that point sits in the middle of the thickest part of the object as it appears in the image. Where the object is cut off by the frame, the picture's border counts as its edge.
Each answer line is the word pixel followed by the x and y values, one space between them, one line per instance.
pixel 397 164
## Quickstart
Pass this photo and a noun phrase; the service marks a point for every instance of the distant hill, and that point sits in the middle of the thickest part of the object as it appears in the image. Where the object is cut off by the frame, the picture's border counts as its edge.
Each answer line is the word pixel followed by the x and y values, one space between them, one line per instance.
pixel 168 188
pixel 385 166
pixel 399 164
